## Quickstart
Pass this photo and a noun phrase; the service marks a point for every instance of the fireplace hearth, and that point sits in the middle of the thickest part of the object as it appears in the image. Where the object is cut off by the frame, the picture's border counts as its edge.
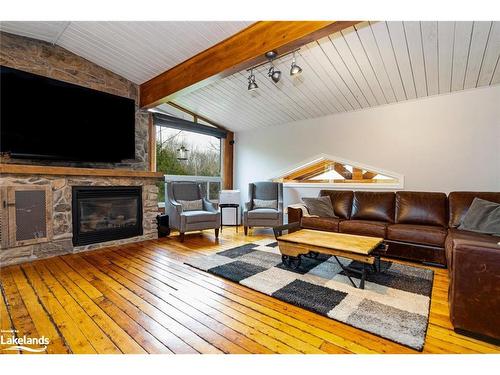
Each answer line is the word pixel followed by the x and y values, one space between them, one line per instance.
pixel 106 213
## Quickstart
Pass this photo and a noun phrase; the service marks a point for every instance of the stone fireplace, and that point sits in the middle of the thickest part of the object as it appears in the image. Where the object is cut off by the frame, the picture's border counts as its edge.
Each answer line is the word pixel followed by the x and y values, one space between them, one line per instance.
pixel 117 208
pixel 104 223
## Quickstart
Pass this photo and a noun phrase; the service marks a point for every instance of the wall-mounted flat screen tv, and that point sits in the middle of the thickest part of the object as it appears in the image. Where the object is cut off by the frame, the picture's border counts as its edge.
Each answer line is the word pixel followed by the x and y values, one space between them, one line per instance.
pixel 43 118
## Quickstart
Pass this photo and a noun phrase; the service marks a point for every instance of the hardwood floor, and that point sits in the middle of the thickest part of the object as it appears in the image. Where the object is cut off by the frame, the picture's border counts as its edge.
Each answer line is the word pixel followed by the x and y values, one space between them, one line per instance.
pixel 142 298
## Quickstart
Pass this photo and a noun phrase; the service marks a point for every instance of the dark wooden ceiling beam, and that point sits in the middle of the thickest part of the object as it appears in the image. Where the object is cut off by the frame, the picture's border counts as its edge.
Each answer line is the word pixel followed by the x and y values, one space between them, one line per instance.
pixel 238 52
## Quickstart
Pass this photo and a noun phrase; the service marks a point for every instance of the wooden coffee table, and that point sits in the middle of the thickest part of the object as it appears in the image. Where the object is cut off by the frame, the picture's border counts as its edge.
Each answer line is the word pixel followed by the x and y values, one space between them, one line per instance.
pixel 311 243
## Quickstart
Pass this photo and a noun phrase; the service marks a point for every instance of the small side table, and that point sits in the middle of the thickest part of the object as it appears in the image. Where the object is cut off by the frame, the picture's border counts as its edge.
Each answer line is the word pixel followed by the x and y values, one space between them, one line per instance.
pixel 236 209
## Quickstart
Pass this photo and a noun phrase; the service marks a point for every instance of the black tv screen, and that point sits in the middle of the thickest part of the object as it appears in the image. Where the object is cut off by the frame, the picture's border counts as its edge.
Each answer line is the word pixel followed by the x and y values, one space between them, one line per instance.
pixel 43 118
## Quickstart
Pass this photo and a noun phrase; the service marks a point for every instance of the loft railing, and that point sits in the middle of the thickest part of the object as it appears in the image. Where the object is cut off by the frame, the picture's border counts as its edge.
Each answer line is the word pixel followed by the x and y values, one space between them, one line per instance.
pixel 210 185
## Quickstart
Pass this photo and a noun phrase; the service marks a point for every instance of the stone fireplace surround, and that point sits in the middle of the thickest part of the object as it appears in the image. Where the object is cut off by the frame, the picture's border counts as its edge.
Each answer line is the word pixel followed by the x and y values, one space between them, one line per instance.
pixel 61 189
pixel 52 61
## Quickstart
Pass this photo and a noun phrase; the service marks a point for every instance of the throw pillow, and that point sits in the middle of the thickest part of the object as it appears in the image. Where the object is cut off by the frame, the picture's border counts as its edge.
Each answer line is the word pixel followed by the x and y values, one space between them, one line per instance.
pixel 321 206
pixel 482 217
pixel 263 203
pixel 196 205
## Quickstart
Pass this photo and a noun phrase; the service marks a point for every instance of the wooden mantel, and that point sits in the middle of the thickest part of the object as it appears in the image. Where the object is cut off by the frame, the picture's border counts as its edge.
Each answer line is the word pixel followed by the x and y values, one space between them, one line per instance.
pixel 70 171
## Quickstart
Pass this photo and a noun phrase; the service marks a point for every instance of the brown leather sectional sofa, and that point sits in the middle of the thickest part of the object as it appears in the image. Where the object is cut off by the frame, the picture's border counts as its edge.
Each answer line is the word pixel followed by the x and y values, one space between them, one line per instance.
pixel 422 227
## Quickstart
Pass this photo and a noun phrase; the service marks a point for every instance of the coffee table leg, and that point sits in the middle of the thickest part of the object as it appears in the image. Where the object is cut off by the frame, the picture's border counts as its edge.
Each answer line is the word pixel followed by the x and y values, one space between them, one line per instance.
pixel 346 271
pixel 363 277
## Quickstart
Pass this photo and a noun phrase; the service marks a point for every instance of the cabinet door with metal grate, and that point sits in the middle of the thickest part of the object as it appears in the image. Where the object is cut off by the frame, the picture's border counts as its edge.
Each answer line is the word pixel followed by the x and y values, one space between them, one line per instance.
pixel 29 214
pixel 4 223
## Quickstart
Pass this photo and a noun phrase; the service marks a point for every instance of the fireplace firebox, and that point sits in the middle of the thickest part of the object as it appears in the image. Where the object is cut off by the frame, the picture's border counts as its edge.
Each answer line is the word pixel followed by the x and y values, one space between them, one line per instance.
pixel 106 213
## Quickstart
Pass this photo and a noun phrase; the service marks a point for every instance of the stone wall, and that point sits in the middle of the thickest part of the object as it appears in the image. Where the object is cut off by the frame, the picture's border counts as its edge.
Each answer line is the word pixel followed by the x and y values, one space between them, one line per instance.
pixel 52 61
pixel 61 188
pixel 48 60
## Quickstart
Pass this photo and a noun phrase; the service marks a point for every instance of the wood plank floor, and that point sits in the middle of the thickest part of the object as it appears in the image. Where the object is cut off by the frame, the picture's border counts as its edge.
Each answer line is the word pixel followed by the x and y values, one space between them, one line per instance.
pixel 142 298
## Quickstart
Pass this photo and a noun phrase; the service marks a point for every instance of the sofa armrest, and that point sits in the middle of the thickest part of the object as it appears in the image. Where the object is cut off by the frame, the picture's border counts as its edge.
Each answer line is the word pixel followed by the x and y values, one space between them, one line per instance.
pixel 474 294
pixel 294 215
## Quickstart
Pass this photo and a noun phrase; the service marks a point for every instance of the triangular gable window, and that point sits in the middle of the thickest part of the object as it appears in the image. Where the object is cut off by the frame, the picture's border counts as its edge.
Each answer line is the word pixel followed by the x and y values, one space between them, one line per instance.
pixel 332 171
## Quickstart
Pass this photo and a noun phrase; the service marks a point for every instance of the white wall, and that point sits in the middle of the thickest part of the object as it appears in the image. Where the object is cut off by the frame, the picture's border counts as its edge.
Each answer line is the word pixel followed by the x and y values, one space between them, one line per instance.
pixel 441 143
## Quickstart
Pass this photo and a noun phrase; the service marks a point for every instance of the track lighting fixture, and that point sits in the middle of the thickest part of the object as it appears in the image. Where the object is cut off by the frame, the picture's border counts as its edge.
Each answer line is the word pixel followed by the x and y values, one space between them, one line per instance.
pixel 295 69
pixel 252 85
pixel 273 72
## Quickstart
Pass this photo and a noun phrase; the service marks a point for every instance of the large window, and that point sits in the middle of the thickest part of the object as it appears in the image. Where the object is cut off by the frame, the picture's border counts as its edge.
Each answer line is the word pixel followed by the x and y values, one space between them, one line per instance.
pixel 326 170
pixel 186 153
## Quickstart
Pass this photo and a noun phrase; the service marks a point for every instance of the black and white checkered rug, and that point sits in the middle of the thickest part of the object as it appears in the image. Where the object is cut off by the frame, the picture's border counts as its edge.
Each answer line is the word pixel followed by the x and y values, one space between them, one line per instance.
pixel 394 304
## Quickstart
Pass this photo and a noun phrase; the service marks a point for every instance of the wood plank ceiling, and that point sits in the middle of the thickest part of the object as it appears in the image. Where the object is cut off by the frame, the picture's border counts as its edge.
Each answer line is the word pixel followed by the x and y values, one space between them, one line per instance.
pixel 137 51
pixel 370 64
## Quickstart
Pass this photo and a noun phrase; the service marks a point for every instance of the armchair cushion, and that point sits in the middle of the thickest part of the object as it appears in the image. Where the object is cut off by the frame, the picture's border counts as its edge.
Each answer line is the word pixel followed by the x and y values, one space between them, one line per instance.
pixel 194 205
pixel 263 213
pixel 186 191
pixel 200 216
pixel 265 190
pixel 265 203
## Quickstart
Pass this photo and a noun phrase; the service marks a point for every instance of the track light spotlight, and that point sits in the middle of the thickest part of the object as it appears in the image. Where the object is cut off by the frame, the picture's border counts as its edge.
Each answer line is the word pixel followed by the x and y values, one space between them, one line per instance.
pixel 252 85
pixel 295 69
pixel 274 74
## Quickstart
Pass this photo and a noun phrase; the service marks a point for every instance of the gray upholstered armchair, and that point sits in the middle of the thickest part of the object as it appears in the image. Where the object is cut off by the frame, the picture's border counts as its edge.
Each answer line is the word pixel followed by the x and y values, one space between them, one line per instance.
pixel 200 218
pixel 260 211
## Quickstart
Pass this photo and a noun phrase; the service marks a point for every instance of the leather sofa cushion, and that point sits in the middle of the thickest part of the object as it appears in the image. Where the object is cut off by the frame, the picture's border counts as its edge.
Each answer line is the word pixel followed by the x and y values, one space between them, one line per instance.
pixel 421 208
pixel 328 224
pixel 460 201
pixel 341 201
pixel 375 206
pixel 363 228
pixel 457 234
pixel 200 216
pixel 263 213
pixel 418 234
